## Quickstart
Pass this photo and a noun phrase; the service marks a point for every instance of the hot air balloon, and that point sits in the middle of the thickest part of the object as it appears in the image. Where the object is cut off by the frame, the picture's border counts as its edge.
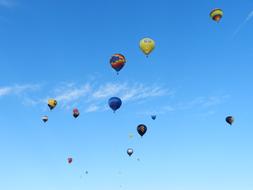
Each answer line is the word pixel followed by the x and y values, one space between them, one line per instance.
pixel 117 62
pixel 216 14
pixel 114 103
pixel 153 117
pixel 130 151
pixel 45 118
pixel 141 129
pixel 52 103
pixel 70 160
pixel 147 45
pixel 130 135
pixel 230 120
pixel 76 113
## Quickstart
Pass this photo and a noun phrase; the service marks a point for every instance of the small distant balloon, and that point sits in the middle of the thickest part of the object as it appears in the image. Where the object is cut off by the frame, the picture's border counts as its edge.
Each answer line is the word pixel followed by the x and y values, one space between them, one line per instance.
pixel 70 160
pixel 130 151
pixel 230 120
pixel 153 117
pixel 51 103
pixel 216 14
pixel 45 119
pixel 76 113
pixel 131 136
pixel 114 103
pixel 86 172
pixel 142 129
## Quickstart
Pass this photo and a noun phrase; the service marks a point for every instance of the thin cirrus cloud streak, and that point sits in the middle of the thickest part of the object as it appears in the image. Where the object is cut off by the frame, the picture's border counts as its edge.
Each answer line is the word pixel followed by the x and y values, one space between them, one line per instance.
pixel 129 92
pixel 248 18
pixel 17 89
pixel 198 103
pixel 95 97
pixel 202 102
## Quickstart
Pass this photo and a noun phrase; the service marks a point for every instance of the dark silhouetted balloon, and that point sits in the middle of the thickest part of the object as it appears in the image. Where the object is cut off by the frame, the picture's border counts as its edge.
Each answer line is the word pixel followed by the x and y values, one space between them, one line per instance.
pixel 141 129
pixel 45 118
pixel 230 120
pixel 130 151
pixel 51 103
pixel 70 160
pixel 76 113
pixel 153 117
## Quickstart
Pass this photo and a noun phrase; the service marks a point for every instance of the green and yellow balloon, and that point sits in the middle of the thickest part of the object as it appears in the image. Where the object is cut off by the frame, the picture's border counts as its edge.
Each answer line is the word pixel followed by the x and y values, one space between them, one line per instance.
pixel 216 14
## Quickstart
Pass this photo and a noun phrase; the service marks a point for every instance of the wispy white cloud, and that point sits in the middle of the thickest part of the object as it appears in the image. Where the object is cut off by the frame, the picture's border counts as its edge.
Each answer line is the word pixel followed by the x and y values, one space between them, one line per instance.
pixel 199 103
pixel 203 102
pixel 247 19
pixel 89 96
pixel 107 90
pixel 72 93
pixel 92 108
pixel 4 91
pixel 130 92
pixel 17 89
pixel 94 97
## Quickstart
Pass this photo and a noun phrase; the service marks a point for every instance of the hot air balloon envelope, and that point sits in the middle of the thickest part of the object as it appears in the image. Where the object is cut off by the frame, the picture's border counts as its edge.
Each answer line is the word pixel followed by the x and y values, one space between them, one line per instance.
pixel 130 151
pixel 117 61
pixel 51 103
pixel 45 118
pixel 141 129
pixel 114 103
pixel 216 14
pixel 70 160
pixel 75 113
pixel 230 120
pixel 147 45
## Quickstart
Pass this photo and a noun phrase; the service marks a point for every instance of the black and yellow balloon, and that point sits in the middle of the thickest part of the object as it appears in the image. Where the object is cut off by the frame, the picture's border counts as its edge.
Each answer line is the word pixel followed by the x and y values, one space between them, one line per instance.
pixel 51 103
pixel 147 45
pixel 216 14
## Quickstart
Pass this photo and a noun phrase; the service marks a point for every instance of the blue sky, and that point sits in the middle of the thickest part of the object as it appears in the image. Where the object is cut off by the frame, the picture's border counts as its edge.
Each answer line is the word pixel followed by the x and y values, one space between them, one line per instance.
pixel 199 73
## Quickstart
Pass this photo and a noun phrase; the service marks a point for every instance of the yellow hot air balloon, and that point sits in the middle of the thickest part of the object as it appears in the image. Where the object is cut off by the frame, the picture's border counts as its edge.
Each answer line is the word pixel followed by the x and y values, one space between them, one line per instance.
pixel 52 103
pixel 216 14
pixel 147 45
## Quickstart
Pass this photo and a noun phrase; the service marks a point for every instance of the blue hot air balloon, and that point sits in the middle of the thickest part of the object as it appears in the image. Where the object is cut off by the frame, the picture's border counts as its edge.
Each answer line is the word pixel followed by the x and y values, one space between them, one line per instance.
pixel 114 103
pixel 153 117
